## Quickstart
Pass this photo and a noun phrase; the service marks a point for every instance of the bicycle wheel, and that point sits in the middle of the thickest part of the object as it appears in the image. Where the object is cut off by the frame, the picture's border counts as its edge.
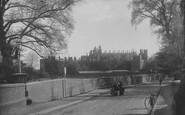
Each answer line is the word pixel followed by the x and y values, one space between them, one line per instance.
pixel 147 103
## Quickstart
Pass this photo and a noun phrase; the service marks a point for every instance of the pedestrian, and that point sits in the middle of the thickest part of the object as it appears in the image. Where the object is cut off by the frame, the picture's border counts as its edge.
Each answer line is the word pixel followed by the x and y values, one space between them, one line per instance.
pixel 115 87
pixel 160 81
pixel 120 88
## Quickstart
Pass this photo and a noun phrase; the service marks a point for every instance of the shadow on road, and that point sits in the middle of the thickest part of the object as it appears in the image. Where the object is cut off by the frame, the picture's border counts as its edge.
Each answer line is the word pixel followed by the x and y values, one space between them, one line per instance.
pixel 135 114
pixel 134 92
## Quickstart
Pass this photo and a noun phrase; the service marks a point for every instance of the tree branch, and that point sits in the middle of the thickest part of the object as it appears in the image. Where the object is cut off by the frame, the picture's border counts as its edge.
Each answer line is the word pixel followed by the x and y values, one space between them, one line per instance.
pixel 33 50
pixel 37 40
pixel 17 5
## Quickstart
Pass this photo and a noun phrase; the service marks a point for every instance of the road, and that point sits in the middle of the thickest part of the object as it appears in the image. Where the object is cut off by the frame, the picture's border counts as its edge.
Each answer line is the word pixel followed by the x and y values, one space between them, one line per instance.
pixel 132 103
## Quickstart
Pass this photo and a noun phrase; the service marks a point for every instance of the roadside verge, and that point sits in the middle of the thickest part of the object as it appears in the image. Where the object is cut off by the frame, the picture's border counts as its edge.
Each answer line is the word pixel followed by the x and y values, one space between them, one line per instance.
pixel 163 104
pixel 47 107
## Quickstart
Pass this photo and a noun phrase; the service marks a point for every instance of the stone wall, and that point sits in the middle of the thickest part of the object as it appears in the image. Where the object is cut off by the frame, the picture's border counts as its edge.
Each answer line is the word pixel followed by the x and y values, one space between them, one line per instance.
pixel 147 77
pixel 134 79
pixel 12 98
pixel 58 88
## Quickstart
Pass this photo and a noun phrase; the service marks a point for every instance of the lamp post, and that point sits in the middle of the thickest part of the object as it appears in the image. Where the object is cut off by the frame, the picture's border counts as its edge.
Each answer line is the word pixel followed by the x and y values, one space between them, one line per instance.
pixel 20 59
pixel 65 81
pixel 19 53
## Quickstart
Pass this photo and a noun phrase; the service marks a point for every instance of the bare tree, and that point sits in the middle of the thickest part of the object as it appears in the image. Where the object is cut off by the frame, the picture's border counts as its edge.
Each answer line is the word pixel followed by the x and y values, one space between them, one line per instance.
pixel 32 59
pixel 34 24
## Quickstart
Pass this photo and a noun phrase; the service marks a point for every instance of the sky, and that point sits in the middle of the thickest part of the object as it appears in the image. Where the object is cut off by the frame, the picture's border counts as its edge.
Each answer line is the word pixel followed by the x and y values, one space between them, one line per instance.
pixel 108 23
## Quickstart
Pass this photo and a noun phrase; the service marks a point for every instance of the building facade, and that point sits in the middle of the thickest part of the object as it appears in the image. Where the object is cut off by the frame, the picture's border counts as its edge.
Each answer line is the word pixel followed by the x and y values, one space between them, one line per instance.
pixel 137 60
pixel 96 59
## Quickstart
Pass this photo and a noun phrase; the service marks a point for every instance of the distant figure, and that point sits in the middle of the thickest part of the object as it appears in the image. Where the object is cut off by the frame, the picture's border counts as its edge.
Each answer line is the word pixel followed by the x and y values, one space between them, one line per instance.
pixel 115 87
pixel 160 81
pixel 120 88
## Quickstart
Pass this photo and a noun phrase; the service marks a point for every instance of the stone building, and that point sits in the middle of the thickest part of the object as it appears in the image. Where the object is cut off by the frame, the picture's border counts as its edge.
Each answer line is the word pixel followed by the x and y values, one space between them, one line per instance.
pixel 61 62
pixel 96 54
pixel 137 60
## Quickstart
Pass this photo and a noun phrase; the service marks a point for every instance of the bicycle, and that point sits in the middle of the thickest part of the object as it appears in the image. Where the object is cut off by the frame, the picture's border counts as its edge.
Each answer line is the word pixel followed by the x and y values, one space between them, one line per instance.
pixel 150 101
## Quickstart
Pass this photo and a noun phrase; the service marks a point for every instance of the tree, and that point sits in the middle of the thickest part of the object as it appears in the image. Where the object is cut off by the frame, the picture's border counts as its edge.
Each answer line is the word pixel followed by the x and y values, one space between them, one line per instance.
pixel 159 12
pixel 182 6
pixel 151 65
pixel 72 68
pixel 52 66
pixel 167 61
pixel 164 16
pixel 34 24
pixel 32 60
pixel 180 94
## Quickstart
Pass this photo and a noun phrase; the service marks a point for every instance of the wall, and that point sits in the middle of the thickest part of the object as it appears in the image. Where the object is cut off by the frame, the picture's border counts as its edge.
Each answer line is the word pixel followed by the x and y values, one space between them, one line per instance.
pixel 54 89
pixel 12 98
pixel 107 82
pixel 147 78
pixel 134 79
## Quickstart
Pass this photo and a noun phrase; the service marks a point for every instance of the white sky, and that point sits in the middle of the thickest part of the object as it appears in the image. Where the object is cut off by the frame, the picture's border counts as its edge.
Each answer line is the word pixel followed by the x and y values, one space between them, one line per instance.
pixel 108 23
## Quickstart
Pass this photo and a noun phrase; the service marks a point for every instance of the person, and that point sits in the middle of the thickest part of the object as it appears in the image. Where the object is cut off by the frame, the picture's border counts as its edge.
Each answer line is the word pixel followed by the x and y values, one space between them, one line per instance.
pixel 115 87
pixel 120 88
pixel 160 81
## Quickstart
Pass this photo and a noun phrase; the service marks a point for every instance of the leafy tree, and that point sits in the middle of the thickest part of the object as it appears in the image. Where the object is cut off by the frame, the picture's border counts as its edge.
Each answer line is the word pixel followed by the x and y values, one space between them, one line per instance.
pixel 72 68
pixel 164 16
pixel 32 73
pixel 33 24
pixel 180 94
pixel 52 66
pixel 151 65
pixel 167 61
pixel 182 6
pixel 159 12
pixel 83 67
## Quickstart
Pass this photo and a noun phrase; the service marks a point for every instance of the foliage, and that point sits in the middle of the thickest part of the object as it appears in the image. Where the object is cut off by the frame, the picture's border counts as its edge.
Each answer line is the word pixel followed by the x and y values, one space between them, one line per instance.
pixel 72 68
pixel 52 66
pixel 159 12
pixel 32 73
pixel 167 61
pixel 110 62
pixel 166 20
pixel 151 65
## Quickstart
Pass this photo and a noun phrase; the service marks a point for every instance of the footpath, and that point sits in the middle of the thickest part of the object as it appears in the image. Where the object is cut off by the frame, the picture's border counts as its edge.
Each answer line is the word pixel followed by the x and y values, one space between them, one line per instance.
pixel 163 104
pixel 46 107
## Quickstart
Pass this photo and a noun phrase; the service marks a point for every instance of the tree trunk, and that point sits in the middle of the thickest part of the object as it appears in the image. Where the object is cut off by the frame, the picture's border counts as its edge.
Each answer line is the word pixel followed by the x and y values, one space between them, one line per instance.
pixel 5 48
pixel 180 94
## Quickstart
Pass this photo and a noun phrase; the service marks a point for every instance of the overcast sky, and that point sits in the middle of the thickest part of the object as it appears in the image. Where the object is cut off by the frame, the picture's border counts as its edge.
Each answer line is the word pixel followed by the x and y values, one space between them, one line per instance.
pixel 108 23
